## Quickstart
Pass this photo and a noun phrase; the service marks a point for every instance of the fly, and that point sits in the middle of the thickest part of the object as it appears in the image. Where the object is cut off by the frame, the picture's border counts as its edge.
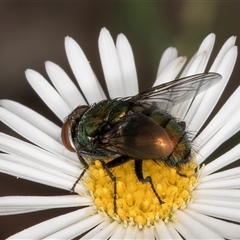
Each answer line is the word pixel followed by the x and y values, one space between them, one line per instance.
pixel 138 127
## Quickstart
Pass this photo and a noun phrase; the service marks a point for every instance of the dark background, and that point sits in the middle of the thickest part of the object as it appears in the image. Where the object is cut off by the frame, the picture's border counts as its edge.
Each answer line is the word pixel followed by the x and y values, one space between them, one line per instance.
pixel 32 32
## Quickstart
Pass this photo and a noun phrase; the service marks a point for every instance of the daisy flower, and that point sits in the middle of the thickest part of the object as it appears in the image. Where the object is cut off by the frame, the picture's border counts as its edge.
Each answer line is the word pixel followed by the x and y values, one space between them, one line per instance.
pixel 202 204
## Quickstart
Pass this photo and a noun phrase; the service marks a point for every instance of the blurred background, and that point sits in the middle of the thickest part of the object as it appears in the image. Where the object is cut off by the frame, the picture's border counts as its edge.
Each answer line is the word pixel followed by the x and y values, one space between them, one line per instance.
pixel 33 32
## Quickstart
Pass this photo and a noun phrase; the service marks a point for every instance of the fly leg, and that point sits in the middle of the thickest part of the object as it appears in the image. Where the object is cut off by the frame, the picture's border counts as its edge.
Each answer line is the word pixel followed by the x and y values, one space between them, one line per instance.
pixel 85 164
pixel 148 179
pixel 114 163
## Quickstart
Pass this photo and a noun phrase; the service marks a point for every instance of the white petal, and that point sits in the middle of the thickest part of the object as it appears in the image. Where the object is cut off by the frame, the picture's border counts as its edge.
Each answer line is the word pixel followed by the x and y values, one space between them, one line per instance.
pixel 119 233
pixel 35 175
pixel 127 64
pixel 64 85
pixel 199 66
pixel 162 230
pixel 111 65
pixel 33 134
pixel 76 229
pixel 168 56
pixel 225 229
pixel 33 153
pixel 224 160
pixel 218 193
pixel 140 234
pixel 48 227
pixel 104 232
pixel 232 183
pixel 83 72
pixel 183 230
pixel 226 46
pixel 41 173
pixel 19 204
pixel 196 65
pixel 48 94
pixel 29 162
pixel 149 233
pixel 226 66
pixel 227 130
pixel 174 233
pixel 218 203
pixel 170 71
pixel 131 232
pixel 33 117
pixel 97 229
pixel 38 172
pixel 205 102
pixel 180 110
pixel 189 64
pixel 223 175
pixel 198 229
pixel 218 212
pixel 225 114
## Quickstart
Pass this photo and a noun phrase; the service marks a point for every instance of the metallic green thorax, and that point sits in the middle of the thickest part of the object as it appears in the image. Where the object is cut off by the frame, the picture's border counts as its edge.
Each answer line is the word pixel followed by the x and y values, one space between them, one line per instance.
pixel 99 119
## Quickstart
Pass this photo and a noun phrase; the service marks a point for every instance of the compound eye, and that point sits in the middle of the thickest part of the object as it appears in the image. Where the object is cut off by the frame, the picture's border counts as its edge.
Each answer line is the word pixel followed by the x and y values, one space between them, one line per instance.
pixel 66 137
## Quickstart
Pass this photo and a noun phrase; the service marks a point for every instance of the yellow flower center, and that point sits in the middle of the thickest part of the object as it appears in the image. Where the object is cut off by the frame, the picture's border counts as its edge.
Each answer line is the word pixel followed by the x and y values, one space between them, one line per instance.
pixel 136 202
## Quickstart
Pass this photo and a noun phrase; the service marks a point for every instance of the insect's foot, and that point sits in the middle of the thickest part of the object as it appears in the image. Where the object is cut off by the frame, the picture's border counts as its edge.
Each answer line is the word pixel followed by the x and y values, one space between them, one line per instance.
pixel 159 199
pixel 78 179
pixel 74 185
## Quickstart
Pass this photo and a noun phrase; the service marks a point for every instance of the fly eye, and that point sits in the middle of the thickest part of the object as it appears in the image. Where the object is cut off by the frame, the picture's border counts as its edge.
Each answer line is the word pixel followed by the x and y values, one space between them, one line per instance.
pixel 66 137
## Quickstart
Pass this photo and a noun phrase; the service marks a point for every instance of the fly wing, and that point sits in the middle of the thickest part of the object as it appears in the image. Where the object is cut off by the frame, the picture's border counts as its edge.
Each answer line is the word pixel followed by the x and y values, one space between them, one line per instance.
pixel 138 136
pixel 177 91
